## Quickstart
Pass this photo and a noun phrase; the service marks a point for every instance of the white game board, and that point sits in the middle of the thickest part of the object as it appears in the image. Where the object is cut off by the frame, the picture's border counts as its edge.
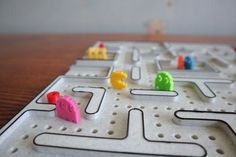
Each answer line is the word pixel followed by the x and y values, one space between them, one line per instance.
pixel 197 119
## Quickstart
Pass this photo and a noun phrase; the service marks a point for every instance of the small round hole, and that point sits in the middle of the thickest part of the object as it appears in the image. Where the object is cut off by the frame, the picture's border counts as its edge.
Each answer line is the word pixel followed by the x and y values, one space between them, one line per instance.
pixel 156 115
pixel 229 103
pixel 129 106
pixel 116 106
pixel 142 107
pixel 13 150
pixel 223 97
pixel 177 136
pixel 110 132
pixel 118 93
pixel 229 92
pixel 63 128
pixel 187 96
pixel 212 138
pixel 168 108
pixel 117 99
pixel 24 137
pixel 185 91
pixel 114 113
pixel 222 110
pixel 94 131
pixel 34 125
pixel 78 130
pixel 191 102
pixel 158 124
pixel 160 135
pixel 220 151
pixel 112 122
pixel 48 127
pixel 195 137
pixel 155 108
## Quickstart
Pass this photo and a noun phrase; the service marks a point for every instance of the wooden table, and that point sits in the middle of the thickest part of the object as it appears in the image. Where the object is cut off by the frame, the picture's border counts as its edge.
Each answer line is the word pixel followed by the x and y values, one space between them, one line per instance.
pixel 31 62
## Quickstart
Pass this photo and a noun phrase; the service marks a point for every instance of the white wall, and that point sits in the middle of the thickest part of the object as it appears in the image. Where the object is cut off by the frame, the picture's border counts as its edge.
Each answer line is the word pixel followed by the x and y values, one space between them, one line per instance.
pixel 211 17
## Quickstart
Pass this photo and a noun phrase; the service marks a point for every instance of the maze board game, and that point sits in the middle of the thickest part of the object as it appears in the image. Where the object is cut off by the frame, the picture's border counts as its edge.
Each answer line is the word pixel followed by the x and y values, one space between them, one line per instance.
pixel 197 118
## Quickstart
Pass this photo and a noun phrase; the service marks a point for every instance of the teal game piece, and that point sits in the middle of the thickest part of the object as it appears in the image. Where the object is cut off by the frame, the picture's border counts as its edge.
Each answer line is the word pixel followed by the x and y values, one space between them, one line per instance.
pixel 164 81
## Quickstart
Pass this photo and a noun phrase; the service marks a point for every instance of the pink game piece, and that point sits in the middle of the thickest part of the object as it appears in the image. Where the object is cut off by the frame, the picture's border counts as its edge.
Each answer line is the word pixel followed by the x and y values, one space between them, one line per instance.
pixel 66 108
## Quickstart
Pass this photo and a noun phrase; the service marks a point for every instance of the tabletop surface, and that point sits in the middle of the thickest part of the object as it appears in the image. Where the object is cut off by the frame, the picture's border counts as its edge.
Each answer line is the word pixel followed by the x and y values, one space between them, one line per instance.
pixel 31 62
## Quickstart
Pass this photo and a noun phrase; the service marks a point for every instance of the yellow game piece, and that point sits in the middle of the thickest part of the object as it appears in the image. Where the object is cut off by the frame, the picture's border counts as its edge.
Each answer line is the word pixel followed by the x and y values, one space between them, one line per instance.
pixel 96 53
pixel 90 53
pixel 117 78
pixel 104 53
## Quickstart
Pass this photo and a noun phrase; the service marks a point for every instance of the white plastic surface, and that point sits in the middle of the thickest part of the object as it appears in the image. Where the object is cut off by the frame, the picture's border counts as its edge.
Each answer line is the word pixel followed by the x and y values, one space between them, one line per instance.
pixel 196 119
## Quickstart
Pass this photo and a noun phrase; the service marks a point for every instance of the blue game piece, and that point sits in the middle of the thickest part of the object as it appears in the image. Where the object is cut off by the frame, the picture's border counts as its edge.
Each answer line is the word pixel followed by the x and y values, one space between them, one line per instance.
pixel 189 63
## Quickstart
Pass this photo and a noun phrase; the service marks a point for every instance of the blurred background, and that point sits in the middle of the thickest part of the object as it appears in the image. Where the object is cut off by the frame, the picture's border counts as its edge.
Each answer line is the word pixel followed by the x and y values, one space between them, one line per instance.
pixel 190 17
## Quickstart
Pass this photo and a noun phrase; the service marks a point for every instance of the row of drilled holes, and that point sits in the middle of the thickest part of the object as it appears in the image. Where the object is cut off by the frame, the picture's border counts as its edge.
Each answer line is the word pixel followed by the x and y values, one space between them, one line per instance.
pixel 195 109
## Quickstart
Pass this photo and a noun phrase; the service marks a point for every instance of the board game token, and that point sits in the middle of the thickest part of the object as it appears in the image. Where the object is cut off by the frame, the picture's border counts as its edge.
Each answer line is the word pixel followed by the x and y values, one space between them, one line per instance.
pixel 117 78
pixel 189 63
pixel 66 108
pixel 164 81
pixel 180 62
pixel 52 97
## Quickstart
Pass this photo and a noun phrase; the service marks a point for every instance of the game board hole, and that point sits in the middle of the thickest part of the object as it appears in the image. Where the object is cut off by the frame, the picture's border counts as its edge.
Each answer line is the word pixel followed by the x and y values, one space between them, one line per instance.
pixel 129 106
pixel 116 106
pixel 48 127
pixel 63 128
pixel 177 136
pixel 142 107
pixel 223 97
pixel 117 99
pixel 155 108
pixel 195 137
pixel 34 126
pixel 110 132
pixel 94 131
pixel 24 137
pixel 108 87
pixel 118 93
pixel 114 113
pixel 212 138
pixel 222 110
pixel 168 108
pixel 160 135
pixel 78 130
pixel 220 151
pixel 112 122
pixel 229 92
pixel 13 150
pixel 156 115
pixel 185 91
pixel 229 103
pixel 78 103
pixel 218 92
pixel 191 102
pixel 158 124
pixel 187 96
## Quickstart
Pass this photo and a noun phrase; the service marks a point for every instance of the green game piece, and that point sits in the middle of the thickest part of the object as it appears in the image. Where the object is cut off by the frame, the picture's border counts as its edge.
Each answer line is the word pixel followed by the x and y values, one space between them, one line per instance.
pixel 164 81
